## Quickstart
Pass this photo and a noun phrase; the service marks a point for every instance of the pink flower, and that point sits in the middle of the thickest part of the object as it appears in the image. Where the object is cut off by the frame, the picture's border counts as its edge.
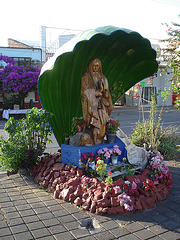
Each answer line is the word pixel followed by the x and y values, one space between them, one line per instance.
pixel 134 185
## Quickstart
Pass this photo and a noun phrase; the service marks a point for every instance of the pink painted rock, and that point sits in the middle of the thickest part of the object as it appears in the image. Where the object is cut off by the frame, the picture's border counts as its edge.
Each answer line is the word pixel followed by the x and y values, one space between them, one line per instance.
pixel 112 211
pixel 67 168
pixel 58 160
pixel 78 201
pixel 46 172
pixel 73 170
pixel 85 196
pixel 78 191
pixel 74 181
pixel 65 193
pixel 79 172
pixel 119 182
pixel 72 197
pixel 58 166
pixel 114 202
pixel 93 206
pixel 104 202
pixel 56 174
pixel 100 210
pixel 56 194
pixel 51 179
pixel 138 205
pixel 51 163
pixel 98 194
pixel 87 203
pixel 45 183
pixel 47 177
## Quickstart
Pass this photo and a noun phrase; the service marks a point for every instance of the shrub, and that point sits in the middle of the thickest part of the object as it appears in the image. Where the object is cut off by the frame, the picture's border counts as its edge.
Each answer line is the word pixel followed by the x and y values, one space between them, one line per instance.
pixel 27 139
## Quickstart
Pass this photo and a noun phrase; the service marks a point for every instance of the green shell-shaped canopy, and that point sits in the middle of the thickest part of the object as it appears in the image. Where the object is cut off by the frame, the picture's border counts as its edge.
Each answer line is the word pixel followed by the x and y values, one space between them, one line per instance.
pixel 126 59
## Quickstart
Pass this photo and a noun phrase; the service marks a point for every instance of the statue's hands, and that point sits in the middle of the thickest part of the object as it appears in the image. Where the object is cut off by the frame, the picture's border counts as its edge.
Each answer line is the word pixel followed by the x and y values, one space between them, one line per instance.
pixel 101 86
pixel 98 94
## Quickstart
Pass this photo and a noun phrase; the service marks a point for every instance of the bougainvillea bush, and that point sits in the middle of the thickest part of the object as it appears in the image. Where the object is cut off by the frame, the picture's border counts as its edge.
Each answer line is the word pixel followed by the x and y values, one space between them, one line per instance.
pixel 18 79
pixel 129 194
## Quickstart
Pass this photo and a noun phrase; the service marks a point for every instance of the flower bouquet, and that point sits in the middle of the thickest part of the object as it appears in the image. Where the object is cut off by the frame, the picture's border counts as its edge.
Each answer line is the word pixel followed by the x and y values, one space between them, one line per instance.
pixel 111 129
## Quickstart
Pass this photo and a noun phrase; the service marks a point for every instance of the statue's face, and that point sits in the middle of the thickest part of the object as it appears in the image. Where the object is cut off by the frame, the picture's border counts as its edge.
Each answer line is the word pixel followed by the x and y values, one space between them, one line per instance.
pixel 96 67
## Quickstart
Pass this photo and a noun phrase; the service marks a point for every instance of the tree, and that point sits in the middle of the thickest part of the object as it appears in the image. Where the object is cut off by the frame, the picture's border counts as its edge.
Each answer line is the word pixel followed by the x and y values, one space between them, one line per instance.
pixel 18 79
pixel 172 55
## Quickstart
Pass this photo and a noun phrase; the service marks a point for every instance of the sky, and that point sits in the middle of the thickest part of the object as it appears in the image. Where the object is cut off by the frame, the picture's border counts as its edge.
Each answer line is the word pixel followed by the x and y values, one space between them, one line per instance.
pixel 22 20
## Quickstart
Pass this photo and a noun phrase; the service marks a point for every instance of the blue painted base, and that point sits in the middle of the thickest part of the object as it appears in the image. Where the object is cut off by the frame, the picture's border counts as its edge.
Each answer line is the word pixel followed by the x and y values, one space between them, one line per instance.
pixel 72 154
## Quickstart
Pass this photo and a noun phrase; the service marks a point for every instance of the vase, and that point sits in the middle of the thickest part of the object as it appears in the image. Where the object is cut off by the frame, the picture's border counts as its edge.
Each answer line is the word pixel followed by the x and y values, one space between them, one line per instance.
pixel 111 138
pixel 114 159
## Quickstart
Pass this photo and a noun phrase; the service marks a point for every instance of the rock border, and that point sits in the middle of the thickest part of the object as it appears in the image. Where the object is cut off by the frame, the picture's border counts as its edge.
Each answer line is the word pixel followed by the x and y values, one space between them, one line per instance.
pixel 67 183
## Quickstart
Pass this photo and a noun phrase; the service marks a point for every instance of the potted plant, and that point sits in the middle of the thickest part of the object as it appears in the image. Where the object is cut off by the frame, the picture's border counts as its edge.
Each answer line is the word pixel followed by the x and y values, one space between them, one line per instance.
pixel 105 154
pixel 111 129
pixel 78 125
pixel 115 153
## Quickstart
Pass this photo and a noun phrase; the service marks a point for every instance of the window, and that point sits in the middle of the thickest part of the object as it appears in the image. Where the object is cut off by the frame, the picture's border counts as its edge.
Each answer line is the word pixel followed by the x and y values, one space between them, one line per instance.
pixel 146 94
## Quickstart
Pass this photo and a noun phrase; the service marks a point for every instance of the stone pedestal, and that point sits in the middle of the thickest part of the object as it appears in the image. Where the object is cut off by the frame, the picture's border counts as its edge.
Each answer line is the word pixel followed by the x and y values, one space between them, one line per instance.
pixel 71 154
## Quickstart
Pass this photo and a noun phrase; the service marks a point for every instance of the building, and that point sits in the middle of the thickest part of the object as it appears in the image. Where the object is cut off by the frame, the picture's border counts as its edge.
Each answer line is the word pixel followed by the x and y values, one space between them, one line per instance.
pixel 156 84
pixel 25 55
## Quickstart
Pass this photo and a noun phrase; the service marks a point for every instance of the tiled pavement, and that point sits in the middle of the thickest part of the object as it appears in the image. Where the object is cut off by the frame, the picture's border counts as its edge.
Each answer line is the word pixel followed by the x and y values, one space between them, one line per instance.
pixel 28 212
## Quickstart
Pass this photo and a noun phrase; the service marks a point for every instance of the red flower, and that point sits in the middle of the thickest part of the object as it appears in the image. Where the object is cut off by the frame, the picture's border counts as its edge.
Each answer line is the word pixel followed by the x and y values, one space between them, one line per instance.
pixel 109 173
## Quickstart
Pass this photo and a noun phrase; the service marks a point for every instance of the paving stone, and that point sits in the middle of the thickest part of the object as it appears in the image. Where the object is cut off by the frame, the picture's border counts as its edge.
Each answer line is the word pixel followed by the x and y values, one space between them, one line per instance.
pixel 80 215
pixel 157 229
pixel 29 219
pixel 27 212
pixel 9 209
pixel 37 205
pixel 35 225
pixel 133 227
pixel 104 235
pixel 51 222
pixel 67 218
pixel 144 234
pixel 79 233
pixel 4 199
pixel 15 221
pixel 57 229
pixel 170 235
pixel 129 237
pixel 71 225
pixel 9 237
pixel 171 224
pixel 19 202
pixel 44 216
pixel 41 210
pixel 19 228
pixel 7 204
pixel 3 223
pixel 39 233
pixel 109 224
pixel 23 236
pixel 60 213
pixel 4 231
pixel 160 218
pixel 32 200
pixel 119 232
pixel 23 207
pixel 64 236
pixel 56 207
pixel 12 215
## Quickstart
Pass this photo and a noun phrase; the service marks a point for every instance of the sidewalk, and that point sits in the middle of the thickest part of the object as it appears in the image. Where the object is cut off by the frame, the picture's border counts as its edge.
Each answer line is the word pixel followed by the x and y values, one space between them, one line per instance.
pixel 29 212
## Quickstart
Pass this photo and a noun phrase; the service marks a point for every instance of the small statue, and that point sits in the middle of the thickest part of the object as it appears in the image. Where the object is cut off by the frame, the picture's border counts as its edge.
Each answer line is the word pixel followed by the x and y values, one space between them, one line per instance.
pixel 96 103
